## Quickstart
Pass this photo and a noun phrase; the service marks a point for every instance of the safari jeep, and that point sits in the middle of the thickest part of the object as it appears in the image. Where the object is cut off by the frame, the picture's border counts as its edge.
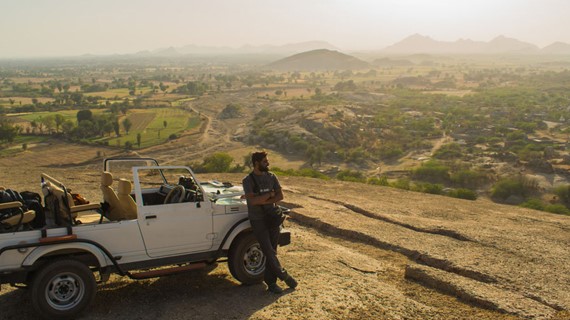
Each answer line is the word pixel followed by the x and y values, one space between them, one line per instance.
pixel 166 222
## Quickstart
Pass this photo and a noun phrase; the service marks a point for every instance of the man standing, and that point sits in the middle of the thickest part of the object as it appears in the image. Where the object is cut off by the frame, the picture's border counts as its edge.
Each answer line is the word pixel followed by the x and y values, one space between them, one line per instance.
pixel 262 192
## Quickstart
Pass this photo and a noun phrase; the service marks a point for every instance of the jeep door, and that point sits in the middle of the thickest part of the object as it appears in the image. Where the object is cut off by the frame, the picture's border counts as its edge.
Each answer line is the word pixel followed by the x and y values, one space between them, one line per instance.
pixel 181 227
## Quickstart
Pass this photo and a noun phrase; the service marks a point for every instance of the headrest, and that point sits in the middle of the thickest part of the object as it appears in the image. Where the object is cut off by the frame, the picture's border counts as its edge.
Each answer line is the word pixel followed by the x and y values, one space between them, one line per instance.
pixel 106 179
pixel 124 186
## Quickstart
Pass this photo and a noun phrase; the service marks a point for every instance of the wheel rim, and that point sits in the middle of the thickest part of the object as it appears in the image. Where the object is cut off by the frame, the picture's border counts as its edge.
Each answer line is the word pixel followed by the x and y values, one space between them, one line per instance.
pixel 254 260
pixel 65 291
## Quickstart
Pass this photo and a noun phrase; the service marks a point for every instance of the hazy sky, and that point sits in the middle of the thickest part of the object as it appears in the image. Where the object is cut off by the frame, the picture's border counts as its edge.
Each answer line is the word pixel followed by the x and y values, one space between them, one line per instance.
pixel 31 28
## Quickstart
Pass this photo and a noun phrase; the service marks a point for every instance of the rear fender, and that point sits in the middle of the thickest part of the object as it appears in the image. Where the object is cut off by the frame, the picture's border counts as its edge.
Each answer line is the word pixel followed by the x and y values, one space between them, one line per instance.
pixel 67 248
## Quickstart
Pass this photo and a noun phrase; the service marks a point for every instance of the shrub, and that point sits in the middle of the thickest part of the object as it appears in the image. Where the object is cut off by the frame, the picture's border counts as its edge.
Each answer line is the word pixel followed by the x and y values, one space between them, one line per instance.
pixel 378 181
pixel 463 194
pixel 403 184
pixel 432 188
pixel 349 175
pixel 557 208
pixel 513 186
pixel 217 162
pixel 468 179
pixel 563 193
pixel 431 171
pixel 533 203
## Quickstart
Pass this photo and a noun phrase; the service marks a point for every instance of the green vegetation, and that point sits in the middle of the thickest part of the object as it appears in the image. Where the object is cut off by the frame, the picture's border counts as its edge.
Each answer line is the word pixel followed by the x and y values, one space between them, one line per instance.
pixel 447 126
pixel 517 186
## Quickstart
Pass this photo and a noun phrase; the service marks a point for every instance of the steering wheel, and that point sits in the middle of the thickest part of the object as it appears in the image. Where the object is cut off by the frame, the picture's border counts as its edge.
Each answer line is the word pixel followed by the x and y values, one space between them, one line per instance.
pixel 177 194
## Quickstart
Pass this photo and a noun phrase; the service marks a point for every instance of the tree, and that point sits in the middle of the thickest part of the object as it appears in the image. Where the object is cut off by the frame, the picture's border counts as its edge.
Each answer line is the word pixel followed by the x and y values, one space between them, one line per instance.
pixel 59 120
pixel 139 137
pixel 116 127
pixel 67 127
pixel 218 162
pixel 49 122
pixel 84 115
pixel 127 124
pixel 8 132
pixel 164 123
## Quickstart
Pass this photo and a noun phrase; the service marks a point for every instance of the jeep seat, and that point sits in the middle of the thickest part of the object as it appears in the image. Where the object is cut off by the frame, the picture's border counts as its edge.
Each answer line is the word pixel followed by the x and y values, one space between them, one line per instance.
pixel 17 219
pixel 121 205
pixel 128 203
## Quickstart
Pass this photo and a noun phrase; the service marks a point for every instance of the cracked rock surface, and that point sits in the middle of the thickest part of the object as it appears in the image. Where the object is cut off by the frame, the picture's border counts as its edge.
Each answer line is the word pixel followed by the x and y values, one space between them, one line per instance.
pixel 359 252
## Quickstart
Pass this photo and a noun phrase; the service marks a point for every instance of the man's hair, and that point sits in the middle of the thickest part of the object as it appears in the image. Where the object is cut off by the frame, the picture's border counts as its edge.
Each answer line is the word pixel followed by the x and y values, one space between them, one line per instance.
pixel 258 156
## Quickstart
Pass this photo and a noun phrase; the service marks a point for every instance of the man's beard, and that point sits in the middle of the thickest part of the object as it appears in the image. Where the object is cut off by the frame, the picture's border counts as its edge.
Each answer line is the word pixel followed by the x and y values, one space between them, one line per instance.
pixel 264 168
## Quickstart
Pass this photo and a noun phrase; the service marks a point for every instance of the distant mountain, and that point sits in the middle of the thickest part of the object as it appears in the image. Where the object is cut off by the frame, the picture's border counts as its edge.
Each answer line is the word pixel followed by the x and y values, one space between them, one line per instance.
pixel 557 48
pixel 319 60
pixel 286 49
pixel 387 62
pixel 422 44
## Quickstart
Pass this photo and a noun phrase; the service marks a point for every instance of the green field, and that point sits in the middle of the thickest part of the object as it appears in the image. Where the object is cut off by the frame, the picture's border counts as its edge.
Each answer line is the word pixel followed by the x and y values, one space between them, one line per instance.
pixel 67 114
pixel 150 124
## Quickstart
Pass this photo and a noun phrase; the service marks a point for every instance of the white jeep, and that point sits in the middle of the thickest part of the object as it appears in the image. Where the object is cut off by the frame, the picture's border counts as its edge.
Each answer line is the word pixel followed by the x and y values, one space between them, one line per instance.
pixel 168 223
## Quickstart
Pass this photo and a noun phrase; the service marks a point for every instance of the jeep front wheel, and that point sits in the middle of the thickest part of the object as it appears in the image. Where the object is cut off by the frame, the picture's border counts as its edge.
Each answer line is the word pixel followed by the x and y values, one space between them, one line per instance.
pixel 62 289
pixel 246 261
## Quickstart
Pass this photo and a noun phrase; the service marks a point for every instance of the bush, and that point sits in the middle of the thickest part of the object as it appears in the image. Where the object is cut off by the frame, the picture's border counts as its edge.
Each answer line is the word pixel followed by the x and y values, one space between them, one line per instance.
pixel 378 181
pixel 533 203
pixel 432 188
pixel 463 194
pixel 403 184
pixel 312 173
pixel 218 162
pixel 431 171
pixel 349 175
pixel 513 186
pixel 563 193
pixel 557 208
pixel 468 179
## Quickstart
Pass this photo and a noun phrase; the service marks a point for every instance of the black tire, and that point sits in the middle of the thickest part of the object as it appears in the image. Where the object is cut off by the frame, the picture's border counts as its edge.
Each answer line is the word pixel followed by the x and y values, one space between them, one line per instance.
pixel 246 261
pixel 62 289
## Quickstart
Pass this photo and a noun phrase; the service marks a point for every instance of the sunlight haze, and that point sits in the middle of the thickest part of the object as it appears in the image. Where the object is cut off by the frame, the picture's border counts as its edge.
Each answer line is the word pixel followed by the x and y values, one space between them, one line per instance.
pixel 33 28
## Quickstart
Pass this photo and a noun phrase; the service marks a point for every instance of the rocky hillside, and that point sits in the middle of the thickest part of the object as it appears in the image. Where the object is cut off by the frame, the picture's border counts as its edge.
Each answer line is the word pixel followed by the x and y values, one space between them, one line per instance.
pixel 361 251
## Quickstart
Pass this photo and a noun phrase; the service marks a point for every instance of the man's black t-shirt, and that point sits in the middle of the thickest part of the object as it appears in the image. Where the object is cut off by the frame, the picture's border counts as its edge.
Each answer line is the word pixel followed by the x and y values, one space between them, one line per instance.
pixel 266 182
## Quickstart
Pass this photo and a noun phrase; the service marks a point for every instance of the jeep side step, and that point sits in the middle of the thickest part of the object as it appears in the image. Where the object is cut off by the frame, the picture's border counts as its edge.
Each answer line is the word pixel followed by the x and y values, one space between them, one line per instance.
pixel 166 271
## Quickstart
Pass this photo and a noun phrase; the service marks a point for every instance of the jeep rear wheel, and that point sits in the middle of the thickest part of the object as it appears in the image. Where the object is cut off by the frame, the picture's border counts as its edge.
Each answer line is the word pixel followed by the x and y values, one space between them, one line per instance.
pixel 246 261
pixel 62 289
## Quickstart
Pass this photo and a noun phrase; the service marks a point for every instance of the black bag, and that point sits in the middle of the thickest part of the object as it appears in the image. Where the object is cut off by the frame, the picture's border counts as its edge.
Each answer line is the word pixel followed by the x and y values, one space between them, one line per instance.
pixel 29 200
pixel 33 201
pixel 8 196
pixel 274 216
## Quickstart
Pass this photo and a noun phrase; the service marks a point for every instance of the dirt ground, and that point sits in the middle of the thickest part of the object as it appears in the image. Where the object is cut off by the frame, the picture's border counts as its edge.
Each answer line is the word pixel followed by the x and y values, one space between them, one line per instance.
pixel 358 251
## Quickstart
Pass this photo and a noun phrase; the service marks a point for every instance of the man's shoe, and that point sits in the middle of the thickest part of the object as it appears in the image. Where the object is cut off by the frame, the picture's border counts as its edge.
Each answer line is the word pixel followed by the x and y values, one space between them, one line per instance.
pixel 291 282
pixel 274 288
